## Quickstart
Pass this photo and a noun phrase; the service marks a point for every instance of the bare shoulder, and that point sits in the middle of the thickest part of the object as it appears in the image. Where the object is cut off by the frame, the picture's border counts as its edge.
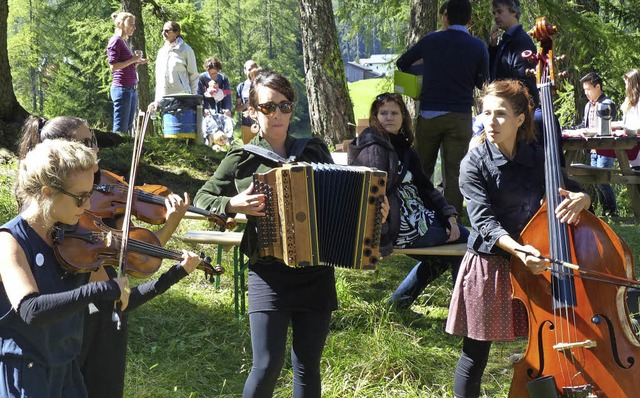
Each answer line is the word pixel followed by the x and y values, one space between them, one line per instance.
pixel 12 254
pixel 15 272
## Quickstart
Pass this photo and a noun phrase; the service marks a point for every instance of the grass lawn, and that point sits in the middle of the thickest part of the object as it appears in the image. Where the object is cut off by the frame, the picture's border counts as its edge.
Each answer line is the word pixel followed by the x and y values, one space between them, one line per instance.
pixel 187 342
pixel 363 93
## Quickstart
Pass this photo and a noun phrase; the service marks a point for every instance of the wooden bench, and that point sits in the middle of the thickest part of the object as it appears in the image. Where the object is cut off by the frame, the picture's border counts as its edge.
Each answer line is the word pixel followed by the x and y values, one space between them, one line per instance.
pixel 454 249
pixel 591 175
pixel 231 240
pixel 225 241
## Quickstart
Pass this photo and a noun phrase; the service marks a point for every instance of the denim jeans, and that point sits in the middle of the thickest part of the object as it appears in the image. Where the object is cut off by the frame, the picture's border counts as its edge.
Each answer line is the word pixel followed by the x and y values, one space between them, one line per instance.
pixel 606 196
pixel 125 104
pixel 428 268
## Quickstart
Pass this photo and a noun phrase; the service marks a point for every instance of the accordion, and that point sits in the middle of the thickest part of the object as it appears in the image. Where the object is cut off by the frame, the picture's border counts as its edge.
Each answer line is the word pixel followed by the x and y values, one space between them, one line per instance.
pixel 321 214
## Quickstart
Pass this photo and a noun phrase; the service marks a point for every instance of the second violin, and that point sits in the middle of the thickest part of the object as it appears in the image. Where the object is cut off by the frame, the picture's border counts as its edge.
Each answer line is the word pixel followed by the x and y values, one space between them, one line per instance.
pixel 110 194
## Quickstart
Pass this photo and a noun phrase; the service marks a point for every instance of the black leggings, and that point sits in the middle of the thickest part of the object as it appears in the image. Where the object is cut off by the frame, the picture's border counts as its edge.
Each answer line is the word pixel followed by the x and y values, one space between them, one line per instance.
pixel 269 340
pixel 104 353
pixel 466 382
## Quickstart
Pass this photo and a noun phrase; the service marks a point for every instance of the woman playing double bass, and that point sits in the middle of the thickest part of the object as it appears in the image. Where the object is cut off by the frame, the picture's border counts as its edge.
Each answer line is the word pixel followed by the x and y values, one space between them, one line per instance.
pixel 503 183
pixel 103 356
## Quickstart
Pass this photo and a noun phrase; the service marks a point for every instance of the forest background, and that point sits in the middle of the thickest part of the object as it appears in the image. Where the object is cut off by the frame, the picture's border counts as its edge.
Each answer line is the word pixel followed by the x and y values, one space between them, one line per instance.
pixel 56 48
pixel 187 343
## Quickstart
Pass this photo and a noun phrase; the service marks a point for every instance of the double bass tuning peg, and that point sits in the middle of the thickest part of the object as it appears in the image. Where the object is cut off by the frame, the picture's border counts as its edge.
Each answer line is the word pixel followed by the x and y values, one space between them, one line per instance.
pixel 560 58
pixel 530 56
pixel 563 74
pixel 530 72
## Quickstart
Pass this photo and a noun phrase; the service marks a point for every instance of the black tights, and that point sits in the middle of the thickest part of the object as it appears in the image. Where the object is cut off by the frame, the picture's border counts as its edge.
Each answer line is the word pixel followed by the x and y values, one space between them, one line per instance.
pixel 466 382
pixel 268 341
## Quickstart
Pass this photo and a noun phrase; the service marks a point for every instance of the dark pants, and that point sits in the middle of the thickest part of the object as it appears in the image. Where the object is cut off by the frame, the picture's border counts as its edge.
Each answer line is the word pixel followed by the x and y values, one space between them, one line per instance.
pixel 606 195
pixel 23 377
pixel 428 268
pixel 104 353
pixel 453 132
pixel 269 340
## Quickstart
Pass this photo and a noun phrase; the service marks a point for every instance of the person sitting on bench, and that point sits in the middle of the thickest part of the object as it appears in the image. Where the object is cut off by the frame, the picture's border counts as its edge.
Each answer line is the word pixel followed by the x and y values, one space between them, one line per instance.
pixel 419 215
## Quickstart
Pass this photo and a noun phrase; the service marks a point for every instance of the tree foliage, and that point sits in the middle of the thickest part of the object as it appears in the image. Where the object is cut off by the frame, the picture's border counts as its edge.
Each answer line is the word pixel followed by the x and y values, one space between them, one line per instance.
pixel 58 59
pixel 58 49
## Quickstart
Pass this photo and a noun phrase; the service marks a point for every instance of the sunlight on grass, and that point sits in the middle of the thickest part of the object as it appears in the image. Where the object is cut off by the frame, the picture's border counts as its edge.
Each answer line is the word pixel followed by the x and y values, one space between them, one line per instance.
pixel 363 93
pixel 188 343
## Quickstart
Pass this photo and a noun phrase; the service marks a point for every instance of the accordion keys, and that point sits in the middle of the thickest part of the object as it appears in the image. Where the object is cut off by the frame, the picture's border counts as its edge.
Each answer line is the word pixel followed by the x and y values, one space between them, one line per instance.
pixel 321 214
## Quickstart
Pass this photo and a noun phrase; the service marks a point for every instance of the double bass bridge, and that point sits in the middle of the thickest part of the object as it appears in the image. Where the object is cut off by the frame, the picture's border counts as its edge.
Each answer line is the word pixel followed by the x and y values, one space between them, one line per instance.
pixel 578 344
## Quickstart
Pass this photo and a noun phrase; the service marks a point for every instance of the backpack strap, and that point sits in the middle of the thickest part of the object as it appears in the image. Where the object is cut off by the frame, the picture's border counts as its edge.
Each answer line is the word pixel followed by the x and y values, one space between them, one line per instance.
pixel 265 153
pixel 298 147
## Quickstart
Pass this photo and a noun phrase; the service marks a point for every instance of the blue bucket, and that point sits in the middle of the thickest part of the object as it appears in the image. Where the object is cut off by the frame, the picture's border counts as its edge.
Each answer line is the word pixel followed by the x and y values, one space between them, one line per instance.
pixel 181 124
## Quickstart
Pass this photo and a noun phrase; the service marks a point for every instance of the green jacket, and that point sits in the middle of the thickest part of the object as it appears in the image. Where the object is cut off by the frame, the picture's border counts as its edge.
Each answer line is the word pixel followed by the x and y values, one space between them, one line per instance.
pixel 235 174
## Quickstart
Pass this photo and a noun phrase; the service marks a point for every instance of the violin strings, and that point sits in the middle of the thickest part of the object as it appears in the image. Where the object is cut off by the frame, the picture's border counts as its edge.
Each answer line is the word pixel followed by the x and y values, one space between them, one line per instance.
pixel 144 247
pixel 159 199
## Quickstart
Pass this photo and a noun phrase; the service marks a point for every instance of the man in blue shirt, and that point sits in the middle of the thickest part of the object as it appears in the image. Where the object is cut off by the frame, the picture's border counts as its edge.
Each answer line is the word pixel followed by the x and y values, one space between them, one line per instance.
pixel 505 53
pixel 213 66
pixel 454 62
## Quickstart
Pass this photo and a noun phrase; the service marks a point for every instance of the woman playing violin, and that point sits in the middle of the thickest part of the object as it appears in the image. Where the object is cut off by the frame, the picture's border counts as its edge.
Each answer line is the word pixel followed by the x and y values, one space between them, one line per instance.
pixel 103 356
pixel 41 304
pixel 502 180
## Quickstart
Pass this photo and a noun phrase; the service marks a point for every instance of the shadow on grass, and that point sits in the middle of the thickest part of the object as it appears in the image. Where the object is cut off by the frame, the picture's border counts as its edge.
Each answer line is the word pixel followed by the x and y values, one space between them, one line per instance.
pixel 180 165
pixel 187 343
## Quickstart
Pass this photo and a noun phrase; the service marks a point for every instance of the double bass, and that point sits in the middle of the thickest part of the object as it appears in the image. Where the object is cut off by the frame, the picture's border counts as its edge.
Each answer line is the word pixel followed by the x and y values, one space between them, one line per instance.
pixel 581 342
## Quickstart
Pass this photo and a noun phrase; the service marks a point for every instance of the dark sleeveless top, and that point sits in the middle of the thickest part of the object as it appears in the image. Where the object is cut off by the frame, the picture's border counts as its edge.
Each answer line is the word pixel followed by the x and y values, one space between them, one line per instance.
pixel 56 343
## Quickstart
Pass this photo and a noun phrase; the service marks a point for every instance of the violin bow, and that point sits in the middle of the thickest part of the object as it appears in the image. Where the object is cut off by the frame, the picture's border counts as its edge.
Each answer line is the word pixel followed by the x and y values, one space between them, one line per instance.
pixel 126 226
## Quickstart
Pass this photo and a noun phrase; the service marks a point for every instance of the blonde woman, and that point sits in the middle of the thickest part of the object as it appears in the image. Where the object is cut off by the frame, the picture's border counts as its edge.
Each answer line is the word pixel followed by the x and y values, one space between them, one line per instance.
pixel 41 304
pixel 123 63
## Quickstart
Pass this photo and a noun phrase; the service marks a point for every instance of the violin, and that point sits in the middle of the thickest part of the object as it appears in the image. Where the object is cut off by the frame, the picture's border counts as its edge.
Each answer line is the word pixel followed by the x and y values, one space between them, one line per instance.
pixel 110 194
pixel 90 244
pixel 580 342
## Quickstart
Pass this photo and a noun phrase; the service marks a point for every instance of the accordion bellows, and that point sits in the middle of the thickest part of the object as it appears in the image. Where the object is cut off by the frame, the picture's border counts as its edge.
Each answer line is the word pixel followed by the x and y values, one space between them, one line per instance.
pixel 321 214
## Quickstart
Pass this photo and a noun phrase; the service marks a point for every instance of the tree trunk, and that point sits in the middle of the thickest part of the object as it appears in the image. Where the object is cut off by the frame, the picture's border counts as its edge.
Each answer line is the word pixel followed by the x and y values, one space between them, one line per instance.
pixel 12 114
pixel 423 18
pixel 138 42
pixel 330 108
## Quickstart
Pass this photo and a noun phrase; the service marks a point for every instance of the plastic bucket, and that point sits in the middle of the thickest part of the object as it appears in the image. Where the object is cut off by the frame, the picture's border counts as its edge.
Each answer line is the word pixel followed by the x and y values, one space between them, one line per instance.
pixel 180 124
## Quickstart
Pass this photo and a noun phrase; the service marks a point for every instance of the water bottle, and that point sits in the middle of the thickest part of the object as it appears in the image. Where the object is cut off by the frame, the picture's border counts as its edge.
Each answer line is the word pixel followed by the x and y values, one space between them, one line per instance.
pixel 604 114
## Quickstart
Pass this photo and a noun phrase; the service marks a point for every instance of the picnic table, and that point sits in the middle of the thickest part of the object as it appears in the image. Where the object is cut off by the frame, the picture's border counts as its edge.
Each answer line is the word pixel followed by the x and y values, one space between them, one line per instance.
pixel 575 143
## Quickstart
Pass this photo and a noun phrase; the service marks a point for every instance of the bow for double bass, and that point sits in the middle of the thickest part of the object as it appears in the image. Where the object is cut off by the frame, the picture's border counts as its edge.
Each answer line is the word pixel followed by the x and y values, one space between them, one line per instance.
pixel 581 343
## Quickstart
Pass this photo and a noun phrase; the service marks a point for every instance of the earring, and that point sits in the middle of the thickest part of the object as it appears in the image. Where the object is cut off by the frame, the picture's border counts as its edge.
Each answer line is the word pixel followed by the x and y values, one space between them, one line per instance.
pixel 255 128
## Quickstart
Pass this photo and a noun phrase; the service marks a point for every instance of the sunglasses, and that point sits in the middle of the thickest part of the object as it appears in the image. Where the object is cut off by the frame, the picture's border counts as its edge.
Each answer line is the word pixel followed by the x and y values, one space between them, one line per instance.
pixel 167 30
pixel 385 96
pixel 90 143
pixel 80 199
pixel 269 108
